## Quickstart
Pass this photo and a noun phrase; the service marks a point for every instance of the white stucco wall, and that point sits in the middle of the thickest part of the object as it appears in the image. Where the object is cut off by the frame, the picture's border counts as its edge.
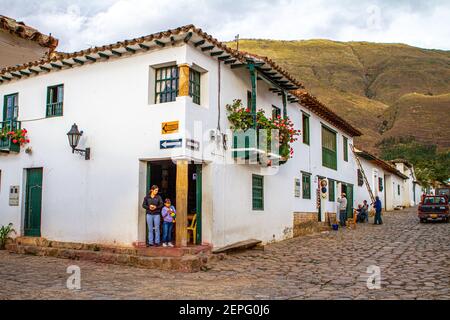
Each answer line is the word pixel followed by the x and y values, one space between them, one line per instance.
pixel 99 200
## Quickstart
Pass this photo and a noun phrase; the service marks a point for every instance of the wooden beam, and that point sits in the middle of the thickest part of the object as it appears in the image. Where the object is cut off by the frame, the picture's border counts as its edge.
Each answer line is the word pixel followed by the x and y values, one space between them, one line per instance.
pixel 216 53
pixel 188 37
pixel 91 59
pixel 239 65
pixel 143 46
pixel 182 202
pixel 230 61
pixel 199 43
pixel 45 68
pixel 103 55
pixel 208 48
pixel 24 73
pixel 16 75
pixel 129 49
pixel 55 65
pixel 159 43
pixel 172 39
pixel 67 64
pixel 117 53
pixel 223 58
pixel 78 61
pixel 34 71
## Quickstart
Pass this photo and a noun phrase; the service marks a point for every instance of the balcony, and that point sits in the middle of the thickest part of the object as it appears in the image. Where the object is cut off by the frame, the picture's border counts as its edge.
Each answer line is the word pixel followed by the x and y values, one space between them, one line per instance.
pixel 6 145
pixel 55 109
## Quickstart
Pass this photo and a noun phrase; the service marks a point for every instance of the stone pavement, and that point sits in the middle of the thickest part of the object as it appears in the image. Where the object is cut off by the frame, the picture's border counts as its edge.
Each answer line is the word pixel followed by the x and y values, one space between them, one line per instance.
pixel 414 262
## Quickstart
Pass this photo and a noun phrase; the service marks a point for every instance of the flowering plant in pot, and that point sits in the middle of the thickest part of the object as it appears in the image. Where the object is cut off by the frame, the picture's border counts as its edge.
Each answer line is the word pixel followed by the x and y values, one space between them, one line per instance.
pixel 5 232
pixel 18 136
pixel 242 119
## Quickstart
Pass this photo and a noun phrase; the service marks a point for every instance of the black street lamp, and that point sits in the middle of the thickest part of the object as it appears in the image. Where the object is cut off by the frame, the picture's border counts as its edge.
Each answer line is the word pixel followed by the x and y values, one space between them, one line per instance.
pixel 74 136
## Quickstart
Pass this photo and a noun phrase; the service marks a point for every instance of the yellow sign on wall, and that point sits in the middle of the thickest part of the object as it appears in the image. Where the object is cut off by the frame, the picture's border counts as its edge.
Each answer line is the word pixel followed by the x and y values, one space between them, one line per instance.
pixel 169 127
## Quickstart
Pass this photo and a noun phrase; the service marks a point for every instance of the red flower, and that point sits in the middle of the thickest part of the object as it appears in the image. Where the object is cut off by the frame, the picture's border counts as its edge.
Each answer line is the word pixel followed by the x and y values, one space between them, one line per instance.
pixel 14 141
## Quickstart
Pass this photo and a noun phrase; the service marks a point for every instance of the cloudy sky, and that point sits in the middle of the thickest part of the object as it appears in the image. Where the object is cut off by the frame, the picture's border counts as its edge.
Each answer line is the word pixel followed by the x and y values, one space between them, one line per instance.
pixel 83 23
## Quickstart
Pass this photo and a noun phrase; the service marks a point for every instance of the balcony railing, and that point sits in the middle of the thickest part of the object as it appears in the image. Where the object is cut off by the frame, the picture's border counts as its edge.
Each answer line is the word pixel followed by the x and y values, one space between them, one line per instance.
pixel 55 109
pixel 6 145
pixel 253 147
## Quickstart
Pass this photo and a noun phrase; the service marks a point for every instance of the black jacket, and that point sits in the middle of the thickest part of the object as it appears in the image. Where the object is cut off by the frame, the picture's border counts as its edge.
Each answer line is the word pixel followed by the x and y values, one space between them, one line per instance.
pixel 156 201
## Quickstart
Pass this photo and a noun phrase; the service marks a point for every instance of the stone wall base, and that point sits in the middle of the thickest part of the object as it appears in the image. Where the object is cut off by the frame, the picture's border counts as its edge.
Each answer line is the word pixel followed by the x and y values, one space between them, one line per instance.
pixel 307 223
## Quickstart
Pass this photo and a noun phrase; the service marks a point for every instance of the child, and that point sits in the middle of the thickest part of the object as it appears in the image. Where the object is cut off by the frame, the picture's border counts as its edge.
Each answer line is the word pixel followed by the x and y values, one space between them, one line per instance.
pixel 168 213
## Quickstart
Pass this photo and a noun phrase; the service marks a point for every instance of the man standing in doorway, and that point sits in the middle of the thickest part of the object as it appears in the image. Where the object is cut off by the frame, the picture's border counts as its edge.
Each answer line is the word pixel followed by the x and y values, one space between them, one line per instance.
pixel 342 209
pixel 377 205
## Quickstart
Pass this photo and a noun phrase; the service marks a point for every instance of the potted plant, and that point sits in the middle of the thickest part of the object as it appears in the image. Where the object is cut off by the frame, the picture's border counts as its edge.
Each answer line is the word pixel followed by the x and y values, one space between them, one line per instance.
pixel 5 232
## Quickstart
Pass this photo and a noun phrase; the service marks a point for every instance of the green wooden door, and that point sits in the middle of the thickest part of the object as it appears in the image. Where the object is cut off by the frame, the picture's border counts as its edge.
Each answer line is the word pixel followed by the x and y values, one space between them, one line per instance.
pixel 33 203
pixel 349 201
pixel 199 203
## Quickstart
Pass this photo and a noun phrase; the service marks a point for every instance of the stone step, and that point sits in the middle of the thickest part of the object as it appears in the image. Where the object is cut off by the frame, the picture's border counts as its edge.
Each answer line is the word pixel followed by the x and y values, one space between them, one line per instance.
pixel 184 263
pixel 148 252
pixel 239 246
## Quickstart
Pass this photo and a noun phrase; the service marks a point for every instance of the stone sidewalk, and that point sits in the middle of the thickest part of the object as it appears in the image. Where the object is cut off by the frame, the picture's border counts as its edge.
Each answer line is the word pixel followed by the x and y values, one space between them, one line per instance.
pixel 414 261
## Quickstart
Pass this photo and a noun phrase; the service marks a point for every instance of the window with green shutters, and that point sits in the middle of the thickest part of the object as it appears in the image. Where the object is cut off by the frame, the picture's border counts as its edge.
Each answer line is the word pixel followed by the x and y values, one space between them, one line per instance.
pixel 55 98
pixel 306 186
pixel 166 84
pixel 329 154
pixel 345 144
pixel 11 107
pixel 380 184
pixel 360 178
pixel 331 190
pixel 194 85
pixel 305 121
pixel 258 192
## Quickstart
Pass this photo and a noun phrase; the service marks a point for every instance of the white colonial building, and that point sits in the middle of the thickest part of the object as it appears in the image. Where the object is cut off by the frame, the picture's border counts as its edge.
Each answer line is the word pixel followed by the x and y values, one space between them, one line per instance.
pixel 152 111
pixel 411 187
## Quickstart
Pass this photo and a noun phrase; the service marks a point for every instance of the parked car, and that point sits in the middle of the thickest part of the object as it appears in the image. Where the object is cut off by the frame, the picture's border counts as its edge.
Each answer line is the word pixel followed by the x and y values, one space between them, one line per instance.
pixel 433 208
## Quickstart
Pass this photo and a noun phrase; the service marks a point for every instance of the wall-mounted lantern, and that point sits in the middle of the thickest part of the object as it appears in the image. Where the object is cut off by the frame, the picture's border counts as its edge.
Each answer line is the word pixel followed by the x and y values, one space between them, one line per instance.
pixel 74 136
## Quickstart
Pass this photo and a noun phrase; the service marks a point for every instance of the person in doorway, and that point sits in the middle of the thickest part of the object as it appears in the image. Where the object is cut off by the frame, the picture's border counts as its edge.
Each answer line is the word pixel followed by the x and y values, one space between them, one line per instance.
pixel 342 209
pixel 153 204
pixel 168 213
pixel 377 205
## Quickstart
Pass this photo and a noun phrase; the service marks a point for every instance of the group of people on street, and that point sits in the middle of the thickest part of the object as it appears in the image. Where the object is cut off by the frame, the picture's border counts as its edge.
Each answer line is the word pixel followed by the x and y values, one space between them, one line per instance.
pixel 155 210
pixel 362 211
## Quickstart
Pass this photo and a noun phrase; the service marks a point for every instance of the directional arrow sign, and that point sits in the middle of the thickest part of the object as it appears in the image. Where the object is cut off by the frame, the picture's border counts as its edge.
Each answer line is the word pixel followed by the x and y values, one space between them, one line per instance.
pixel 169 127
pixel 192 144
pixel 170 144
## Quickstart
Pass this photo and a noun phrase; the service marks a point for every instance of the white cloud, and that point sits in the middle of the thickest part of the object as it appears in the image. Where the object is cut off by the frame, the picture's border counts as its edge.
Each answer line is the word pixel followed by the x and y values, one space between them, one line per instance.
pixel 79 24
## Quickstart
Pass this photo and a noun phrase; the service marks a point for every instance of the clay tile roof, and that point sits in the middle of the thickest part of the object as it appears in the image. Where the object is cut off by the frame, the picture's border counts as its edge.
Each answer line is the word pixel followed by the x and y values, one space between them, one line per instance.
pixel 383 164
pixel 317 107
pixel 26 32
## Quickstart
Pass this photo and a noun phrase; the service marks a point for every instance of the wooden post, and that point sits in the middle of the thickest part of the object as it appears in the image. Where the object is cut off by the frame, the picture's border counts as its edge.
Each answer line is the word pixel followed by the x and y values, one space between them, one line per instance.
pixel 184 80
pixel 182 203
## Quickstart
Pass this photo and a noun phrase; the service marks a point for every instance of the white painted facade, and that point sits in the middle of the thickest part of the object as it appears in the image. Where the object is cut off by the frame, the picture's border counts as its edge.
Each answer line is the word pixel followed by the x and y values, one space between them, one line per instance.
pixel 99 201
pixel 412 189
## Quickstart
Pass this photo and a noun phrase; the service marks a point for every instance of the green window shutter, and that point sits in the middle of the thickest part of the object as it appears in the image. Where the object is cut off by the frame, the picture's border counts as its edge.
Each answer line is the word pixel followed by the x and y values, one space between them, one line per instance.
pixel 258 192
pixel 345 149
pixel 329 153
pixel 194 85
pixel 380 184
pixel 11 107
pixel 55 98
pixel 306 186
pixel 166 84
pixel 249 100
pixel 305 120
pixel 331 190
pixel 398 189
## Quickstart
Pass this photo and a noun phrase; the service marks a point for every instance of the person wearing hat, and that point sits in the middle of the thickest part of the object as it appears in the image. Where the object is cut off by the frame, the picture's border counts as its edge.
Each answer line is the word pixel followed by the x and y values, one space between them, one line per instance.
pixel 342 209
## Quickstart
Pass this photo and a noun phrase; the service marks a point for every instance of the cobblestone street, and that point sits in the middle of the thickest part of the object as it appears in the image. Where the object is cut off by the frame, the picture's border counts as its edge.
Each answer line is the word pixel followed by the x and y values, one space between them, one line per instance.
pixel 414 260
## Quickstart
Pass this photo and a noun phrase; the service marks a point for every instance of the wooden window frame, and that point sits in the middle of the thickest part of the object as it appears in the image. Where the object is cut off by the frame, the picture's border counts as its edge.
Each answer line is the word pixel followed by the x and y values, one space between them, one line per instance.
pixel 55 109
pixel 306 181
pixel 306 129
pixel 195 85
pixel 380 184
pixel 15 111
pixel 257 202
pixel 276 112
pixel 360 178
pixel 345 148
pixel 166 78
pixel 328 153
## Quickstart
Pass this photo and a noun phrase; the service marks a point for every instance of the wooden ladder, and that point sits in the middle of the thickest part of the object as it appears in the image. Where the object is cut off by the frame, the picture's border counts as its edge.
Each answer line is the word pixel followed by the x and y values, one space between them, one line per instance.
pixel 363 174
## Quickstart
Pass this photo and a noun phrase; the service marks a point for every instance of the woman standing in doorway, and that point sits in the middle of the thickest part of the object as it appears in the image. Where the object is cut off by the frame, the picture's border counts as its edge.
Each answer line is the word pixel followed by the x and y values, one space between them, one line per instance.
pixel 153 204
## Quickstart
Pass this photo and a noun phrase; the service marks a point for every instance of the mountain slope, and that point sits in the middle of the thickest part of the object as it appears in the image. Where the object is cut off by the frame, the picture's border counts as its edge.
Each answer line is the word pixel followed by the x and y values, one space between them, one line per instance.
pixel 369 83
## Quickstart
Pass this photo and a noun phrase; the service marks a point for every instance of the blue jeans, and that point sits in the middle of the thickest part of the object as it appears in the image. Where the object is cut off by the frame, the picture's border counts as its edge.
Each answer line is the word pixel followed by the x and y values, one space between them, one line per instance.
pixel 342 217
pixel 167 231
pixel 153 221
pixel 378 218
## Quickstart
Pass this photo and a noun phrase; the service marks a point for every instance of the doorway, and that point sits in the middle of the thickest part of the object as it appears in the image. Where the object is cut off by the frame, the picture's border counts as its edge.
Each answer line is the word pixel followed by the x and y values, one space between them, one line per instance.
pixel 164 175
pixel 348 190
pixel 33 203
